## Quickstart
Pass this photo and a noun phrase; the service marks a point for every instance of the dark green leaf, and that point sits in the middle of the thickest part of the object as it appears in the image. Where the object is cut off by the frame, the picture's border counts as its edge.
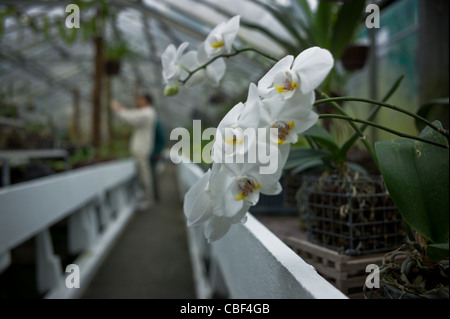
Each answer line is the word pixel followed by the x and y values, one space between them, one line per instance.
pixel 300 155
pixel 285 44
pixel 349 18
pixel 416 175
pixel 426 109
pixel 322 23
pixel 283 20
pixel 437 252
pixel 304 5
pixel 320 135
pixel 307 164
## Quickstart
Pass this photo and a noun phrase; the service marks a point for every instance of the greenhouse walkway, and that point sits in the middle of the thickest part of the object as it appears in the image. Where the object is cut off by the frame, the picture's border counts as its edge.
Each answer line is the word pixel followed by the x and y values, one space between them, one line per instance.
pixel 151 257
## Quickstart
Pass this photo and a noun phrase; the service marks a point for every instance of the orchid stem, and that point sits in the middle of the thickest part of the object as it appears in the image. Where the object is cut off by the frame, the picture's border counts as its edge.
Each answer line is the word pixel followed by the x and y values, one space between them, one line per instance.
pixel 229 55
pixel 390 106
pixel 352 124
pixel 384 128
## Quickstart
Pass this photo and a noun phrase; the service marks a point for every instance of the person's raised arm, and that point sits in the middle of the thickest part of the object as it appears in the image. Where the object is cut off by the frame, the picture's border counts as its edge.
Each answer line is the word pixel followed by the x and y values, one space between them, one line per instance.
pixel 132 117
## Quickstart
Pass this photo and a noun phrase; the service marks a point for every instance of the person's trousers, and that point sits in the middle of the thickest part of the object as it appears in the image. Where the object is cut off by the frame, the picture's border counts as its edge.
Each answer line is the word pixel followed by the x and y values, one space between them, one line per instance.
pixel 145 175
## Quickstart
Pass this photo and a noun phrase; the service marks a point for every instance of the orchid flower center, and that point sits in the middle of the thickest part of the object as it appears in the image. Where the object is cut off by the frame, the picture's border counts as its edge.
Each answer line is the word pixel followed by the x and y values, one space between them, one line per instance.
pixel 234 136
pixel 218 42
pixel 246 186
pixel 284 129
pixel 285 82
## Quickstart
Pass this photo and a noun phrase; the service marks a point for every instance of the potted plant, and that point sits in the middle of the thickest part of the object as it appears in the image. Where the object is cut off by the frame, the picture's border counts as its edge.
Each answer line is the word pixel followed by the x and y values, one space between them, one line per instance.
pixel 416 175
pixel 343 206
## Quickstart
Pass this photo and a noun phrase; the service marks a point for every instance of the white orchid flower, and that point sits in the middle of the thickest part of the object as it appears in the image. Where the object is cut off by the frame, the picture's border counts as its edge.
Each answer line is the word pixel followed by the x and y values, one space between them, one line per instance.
pixel 291 117
pixel 240 122
pixel 235 188
pixel 233 192
pixel 213 73
pixel 199 207
pixel 304 74
pixel 220 39
pixel 171 69
pixel 223 195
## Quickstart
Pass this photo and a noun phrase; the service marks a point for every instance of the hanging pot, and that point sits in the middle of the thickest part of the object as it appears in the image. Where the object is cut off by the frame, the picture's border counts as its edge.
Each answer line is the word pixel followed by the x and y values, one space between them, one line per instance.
pixel 354 57
pixel 112 67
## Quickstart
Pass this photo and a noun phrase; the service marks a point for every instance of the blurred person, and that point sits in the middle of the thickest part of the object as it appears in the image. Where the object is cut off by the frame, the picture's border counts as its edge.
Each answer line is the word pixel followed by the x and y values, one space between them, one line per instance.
pixel 143 120
pixel 156 158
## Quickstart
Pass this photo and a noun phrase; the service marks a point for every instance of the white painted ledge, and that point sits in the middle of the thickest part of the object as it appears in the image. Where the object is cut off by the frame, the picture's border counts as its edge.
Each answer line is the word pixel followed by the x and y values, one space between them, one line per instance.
pixel 257 264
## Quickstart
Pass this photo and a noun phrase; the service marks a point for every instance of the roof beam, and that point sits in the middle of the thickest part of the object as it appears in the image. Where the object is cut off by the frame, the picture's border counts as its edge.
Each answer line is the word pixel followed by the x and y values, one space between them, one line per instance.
pixel 168 16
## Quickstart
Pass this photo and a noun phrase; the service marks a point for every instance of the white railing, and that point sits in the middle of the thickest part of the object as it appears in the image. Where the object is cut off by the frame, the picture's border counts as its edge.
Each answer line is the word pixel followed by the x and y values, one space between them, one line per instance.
pixel 97 202
pixel 250 261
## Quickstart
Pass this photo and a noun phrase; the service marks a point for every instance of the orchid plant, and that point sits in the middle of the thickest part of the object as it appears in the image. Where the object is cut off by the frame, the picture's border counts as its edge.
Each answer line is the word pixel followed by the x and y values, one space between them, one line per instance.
pixel 279 107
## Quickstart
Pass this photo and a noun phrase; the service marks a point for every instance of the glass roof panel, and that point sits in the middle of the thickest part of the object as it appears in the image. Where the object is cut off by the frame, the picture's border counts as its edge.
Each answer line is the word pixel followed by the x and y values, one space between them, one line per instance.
pixel 50 68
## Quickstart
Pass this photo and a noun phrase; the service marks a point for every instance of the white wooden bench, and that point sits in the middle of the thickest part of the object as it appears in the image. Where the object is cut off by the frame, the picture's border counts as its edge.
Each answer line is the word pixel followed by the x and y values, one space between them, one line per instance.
pixel 97 202
pixel 7 156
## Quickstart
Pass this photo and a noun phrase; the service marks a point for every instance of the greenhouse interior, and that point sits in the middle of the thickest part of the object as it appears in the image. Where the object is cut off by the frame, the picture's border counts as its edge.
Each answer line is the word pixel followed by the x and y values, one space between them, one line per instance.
pixel 240 149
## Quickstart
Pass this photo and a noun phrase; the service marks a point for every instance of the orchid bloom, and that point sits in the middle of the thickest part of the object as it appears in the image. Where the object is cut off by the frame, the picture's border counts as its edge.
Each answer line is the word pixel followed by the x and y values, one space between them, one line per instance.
pixel 220 39
pixel 199 205
pixel 290 117
pixel 302 74
pixel 171 69
pixel 280 106
pixel 232 130
pixel 238 186
pixel 223 196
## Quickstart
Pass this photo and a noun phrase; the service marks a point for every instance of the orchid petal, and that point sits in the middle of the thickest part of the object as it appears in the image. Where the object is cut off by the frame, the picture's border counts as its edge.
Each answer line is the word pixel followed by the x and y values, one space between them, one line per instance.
pixel 224 203
pixel 189 61
pixel 265 85
pixel 241 215
pixel 312 65
pixel 216 227
pixel 220 39
pixel 232 117
pixel 215 71
pixel 168 67
pixel 273 189
pixel 250 113
pixel 169 61
pixel 230 31
pixel 197 204
pixel 305 123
